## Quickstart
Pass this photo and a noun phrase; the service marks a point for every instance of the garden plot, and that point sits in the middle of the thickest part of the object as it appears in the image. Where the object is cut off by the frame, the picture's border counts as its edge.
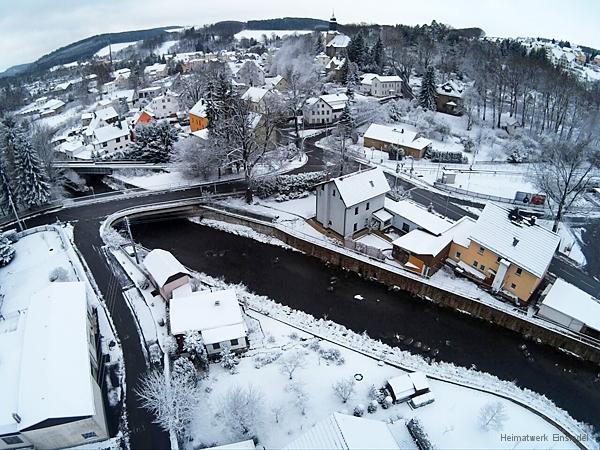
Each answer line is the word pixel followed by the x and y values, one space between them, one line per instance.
pixel 281 413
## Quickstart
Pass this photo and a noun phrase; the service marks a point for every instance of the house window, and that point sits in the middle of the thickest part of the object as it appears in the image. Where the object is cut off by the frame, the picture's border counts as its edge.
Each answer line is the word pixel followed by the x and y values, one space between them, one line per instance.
pixel 481 250
pixel 234 342
pixel 367 208
pixel 498 259
pixel 89 435
pixel 126 138
pixel 405 227
pixel 355 226
pixel 118 140
pixel 475 264
pixel 482 267
pixel 519 271
pixel 12 440
pixel 105 144
pixel 333 193
pixel 513 286
pixel 216 346
pixel 458 255
pixel 323 187
pixel 356 211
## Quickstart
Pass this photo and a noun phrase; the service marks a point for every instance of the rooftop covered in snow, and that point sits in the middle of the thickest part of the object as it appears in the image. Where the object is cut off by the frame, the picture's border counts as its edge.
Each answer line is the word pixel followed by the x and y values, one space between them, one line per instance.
pixel 162 265
pixel 418 215
pixel 573 302
pixel 397 135
pixel 358 187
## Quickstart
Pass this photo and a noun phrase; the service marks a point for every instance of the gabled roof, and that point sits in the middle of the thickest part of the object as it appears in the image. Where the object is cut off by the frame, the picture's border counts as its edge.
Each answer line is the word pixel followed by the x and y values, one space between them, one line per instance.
pixel 451 89
pixel 535 245
pixel 388 78
pixel 107 113
pixel 367 78
pixel 162 265
pixel 339 41
pixel 199 109
pixel 573 302
pixel 344 432
pixel 358 187
pixel 110 132
pixel 216 314
pixel 255 94
pixel 397 135
pixel 420 242
pixel 336 101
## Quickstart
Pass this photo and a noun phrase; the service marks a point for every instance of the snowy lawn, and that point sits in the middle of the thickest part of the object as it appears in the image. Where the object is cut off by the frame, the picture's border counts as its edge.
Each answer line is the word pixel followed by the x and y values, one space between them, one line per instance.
pixel 570 241
pixel 452 421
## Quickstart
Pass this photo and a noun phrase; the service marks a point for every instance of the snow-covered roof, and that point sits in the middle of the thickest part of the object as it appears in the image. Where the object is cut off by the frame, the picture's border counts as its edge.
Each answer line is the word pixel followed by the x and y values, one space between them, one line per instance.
pixel 155 68
pixel 199 109
pixel 361 186
pixel 335 63
pixel 202 134
pixel 573 302
pixel 216 314
pixel 418 215
pixel 530 247
pixel 367 78
pixel 451 89
pixel 397 135
pixel 107 113
pixel 420 242
pixel 388 78
pixel 49 350
pixel 339 41
pixel 383 215
pixel 255 94
pixel 243 445
pixel 162 265
pixel 273 81
pixel 344 432
pixel 110 132
pixel 336 101
pixel 461 231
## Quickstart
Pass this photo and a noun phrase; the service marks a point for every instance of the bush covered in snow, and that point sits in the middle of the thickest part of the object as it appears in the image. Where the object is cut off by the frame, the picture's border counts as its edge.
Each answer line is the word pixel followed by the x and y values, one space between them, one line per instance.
pixel 447 157
pixel 185 369
pixel 332 355
pixel 418 433
pixel 7 251
pixel 113 238
pixel 59 274
pixel 170 345
pixel 372 407
pixel 228 359
pixel 359 410
pixel 193 344
pixel 263 359
pixel 287 187
pixel 242 410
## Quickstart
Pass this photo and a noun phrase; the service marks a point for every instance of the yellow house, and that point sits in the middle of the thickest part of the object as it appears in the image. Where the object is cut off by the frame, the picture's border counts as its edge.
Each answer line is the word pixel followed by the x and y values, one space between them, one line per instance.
pixel 198 119
pixel 507 251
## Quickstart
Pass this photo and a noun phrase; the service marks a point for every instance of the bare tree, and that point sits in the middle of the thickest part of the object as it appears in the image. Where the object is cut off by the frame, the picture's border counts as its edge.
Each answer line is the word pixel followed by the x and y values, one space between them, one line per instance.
pixel 172 402
pixel 242 410
pixel 197 158
pixel 300 395
pixel 291 362
pixel 565 174
pixel 492 416
pixel 344 388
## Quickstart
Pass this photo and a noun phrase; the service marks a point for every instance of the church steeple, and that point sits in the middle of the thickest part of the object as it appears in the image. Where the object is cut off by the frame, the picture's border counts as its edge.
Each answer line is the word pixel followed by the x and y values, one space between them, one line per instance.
pixel 333 22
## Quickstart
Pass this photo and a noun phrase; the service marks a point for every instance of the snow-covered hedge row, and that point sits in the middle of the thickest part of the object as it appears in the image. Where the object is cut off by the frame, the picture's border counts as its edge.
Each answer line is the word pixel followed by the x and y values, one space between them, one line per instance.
pixel 447 157
pixel 468 377
pixel 287 187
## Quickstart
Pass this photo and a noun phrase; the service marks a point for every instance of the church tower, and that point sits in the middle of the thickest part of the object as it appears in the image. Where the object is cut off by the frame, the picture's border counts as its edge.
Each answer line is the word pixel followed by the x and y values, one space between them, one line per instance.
pixel 332 23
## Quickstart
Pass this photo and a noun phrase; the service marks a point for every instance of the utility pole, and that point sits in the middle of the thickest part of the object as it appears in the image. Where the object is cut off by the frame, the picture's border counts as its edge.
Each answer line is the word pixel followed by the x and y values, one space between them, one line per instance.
pixel 137 259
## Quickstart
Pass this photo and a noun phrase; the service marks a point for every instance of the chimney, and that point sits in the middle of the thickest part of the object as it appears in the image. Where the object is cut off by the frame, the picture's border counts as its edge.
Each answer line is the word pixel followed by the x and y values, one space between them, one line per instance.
pixel 515 242
pixel 16 417
pixel 532 220
pixel 217 302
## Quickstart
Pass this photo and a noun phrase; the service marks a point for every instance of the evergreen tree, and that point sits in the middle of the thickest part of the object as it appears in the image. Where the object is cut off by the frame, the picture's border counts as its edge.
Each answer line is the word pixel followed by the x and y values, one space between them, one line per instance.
pixel 352 79
pixel 319 45
pixel 154 142
pixel 428 93
pixel 32 187
pixel 357 50
pixel 7 251
pixel 346 122
pixel 377 55
pixel 343 75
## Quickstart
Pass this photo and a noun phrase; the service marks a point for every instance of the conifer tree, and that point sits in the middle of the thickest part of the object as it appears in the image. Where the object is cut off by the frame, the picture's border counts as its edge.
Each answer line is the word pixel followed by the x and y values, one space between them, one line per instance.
pixel 428 94
pixel 377 55
pixel 7 251
pixel 32 186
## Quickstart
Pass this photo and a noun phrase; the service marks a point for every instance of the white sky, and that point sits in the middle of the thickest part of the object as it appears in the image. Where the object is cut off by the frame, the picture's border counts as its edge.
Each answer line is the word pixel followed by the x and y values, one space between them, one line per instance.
pixel 31 28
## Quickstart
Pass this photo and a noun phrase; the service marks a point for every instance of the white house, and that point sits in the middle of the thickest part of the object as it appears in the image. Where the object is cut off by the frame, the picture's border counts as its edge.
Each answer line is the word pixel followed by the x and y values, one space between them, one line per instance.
pixel 384 86
pixel 351 203
pixel 149 93
pixel 155 71
pixel 325 109
pixel 571 307
pixel 217 315
pixel 122 78
pixel 383 137
pixel 165 105
pixel 409 216
pixel 257 98
pixel 111 138
pixel 406 386
pixel 166 272
pixel 50 397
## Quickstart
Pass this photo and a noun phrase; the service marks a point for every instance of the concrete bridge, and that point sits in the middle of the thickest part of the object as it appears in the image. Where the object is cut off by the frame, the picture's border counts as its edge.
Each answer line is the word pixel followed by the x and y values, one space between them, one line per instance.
pixel 106 167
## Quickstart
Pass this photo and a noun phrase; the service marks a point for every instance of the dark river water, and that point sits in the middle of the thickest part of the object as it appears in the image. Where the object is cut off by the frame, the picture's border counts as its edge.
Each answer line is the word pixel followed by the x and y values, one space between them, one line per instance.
pixel 301 282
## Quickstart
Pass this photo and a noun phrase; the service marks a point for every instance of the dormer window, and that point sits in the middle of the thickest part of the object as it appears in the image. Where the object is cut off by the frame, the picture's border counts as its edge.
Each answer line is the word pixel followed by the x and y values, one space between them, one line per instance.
pixel 515 242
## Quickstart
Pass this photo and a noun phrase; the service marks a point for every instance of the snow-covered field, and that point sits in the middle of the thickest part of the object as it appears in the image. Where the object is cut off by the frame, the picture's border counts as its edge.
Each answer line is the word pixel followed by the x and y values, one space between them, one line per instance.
pixel 164 48
pixel 452 421
pixel 258 34
pixel 104 51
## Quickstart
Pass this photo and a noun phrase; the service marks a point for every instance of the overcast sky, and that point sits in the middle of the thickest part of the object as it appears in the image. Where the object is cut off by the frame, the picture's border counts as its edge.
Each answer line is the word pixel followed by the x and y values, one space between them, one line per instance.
pixel 31 28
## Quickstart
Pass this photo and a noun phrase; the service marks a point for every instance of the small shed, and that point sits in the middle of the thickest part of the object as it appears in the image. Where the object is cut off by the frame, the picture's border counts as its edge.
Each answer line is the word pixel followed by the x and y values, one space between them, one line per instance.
pixel 166 273
pixel 404 387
